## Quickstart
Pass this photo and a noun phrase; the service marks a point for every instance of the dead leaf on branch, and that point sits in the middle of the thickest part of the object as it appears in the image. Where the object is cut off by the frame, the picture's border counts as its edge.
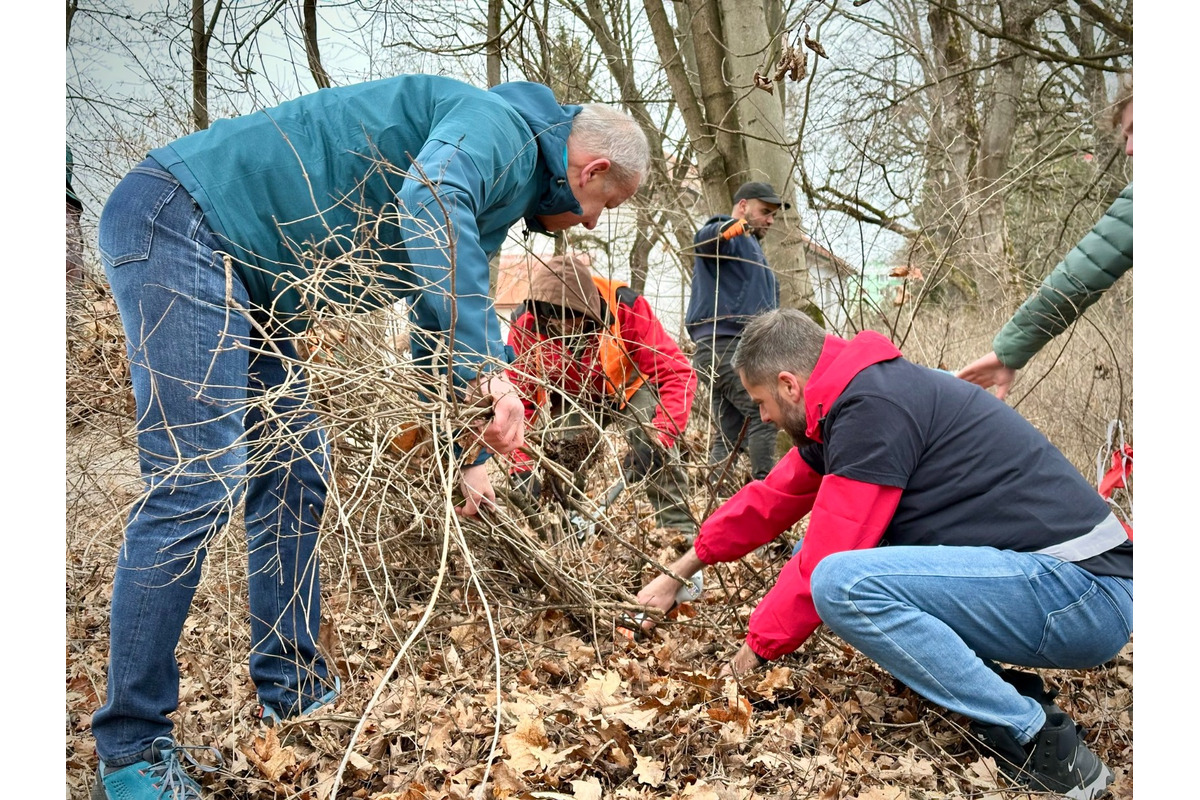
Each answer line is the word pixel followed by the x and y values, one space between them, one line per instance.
pixel 799 68
pixel 906 271
pixel 793 63
pixel 787 55
pixel 813 44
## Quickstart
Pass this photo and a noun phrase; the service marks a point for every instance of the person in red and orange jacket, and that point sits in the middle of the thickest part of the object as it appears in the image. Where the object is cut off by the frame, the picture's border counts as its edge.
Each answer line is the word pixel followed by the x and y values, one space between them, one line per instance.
pixel 588 351
pixel 946 536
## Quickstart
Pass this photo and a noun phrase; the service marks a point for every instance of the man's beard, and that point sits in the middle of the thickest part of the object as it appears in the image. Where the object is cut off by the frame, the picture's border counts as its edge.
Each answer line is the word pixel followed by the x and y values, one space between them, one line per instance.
pixel 795 424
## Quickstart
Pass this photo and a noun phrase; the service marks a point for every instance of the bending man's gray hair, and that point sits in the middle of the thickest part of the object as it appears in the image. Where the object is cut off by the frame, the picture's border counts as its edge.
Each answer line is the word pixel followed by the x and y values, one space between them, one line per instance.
pixel 783 340
pixel 610 133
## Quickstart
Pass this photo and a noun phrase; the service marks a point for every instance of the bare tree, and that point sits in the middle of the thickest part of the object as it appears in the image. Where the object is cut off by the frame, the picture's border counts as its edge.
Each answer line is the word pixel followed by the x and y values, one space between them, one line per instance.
pixel 964 114
pixel 202 32
pixel 311 46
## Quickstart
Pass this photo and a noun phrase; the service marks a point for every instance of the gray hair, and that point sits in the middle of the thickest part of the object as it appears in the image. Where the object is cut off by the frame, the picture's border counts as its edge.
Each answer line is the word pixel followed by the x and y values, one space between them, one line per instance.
pixel 783 340
pixel 609 133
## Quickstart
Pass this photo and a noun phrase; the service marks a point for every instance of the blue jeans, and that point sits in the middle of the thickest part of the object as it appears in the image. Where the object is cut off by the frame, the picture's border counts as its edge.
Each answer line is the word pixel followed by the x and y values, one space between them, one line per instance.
pixel 731 409
pixel 938 618
pixel 222 418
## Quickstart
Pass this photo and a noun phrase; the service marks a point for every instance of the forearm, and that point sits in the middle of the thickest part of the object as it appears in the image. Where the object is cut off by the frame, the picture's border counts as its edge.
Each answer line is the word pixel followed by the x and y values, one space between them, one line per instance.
pixel 760 511
pixel 452 304
pixel 1088 270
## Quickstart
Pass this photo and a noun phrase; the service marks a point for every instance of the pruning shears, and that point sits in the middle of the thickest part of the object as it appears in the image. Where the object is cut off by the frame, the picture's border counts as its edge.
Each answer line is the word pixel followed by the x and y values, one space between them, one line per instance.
pixel 585 527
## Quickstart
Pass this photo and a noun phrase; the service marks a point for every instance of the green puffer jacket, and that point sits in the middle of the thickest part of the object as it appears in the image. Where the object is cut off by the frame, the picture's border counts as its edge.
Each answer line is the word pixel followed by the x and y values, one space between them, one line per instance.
pixel 1092 266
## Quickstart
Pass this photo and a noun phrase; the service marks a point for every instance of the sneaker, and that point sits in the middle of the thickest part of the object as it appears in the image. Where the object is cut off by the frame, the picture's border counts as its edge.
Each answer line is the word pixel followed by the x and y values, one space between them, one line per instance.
pixel 158 776
pixel 1056 760
pixel 272 717
pixel 1029 684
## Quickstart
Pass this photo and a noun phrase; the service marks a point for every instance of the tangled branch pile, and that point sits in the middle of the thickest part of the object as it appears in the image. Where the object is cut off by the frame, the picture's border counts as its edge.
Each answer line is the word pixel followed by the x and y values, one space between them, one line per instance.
pixel 480 657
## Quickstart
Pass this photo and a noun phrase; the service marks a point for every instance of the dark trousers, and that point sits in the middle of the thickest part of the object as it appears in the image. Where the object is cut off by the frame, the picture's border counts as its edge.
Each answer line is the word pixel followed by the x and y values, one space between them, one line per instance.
pixel 731 409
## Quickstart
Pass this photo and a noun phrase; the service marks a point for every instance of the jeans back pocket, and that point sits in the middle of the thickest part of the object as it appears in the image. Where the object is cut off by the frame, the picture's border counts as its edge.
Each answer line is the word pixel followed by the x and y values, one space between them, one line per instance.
pixel 128 219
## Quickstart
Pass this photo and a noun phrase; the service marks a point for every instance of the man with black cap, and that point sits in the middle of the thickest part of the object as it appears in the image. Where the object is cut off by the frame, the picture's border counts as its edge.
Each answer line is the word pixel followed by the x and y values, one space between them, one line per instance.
pixel 732 282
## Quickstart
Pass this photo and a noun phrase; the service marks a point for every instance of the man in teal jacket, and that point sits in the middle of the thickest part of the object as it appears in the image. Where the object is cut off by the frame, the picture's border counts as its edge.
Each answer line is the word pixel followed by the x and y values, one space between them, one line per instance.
pixel 221 247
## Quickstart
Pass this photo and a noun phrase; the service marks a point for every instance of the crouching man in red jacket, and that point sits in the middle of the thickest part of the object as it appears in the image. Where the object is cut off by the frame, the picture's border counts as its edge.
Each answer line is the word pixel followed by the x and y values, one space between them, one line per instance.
pixel 997 549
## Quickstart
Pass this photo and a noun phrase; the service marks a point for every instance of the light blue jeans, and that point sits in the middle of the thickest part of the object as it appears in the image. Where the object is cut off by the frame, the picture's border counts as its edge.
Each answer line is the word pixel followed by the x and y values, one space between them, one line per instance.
pixel 221 419
pixel 938 618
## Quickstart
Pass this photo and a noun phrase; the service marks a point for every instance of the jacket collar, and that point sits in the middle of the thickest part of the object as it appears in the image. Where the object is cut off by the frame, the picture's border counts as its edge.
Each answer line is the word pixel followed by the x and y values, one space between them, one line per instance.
pixel 550 123
pixel 840 362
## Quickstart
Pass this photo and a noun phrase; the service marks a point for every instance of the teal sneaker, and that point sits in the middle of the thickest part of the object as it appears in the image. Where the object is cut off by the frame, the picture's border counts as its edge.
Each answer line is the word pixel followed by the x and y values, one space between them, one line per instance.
pixel 158 776
pixel 272 717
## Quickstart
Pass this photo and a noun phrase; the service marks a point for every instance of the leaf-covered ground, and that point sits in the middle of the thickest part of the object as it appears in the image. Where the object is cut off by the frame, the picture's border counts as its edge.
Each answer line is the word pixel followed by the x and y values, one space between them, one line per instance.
pixel 534 702
pixel 481 659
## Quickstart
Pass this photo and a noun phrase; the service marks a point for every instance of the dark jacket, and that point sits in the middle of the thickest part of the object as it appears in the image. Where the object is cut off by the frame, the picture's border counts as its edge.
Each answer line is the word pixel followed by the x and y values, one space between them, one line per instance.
pixel 415 157
pixel 907 455
pixel 731 282
pixel 1092 266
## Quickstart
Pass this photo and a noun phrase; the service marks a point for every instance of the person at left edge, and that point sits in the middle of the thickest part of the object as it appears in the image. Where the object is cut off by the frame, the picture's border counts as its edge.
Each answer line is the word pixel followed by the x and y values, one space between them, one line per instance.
pixel 438 170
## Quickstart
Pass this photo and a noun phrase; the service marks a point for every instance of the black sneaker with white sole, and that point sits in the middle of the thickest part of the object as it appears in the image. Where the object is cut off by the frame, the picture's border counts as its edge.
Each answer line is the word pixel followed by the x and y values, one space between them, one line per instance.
pixel 1056 760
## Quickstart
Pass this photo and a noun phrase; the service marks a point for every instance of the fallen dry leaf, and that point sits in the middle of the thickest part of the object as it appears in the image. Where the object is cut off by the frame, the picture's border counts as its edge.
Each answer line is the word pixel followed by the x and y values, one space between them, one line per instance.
pixel 269 757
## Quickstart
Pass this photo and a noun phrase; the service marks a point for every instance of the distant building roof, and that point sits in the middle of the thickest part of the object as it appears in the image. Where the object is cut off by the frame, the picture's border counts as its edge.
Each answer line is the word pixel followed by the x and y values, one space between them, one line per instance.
pixel 826 258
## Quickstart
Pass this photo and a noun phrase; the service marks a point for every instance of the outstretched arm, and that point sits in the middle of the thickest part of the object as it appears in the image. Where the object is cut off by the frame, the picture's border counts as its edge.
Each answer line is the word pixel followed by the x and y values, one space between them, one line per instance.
pixel 989 371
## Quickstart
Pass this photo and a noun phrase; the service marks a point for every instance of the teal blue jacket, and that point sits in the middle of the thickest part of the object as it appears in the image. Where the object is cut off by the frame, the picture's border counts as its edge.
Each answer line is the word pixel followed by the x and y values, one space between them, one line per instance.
pixel 400 188
pixel 1087 272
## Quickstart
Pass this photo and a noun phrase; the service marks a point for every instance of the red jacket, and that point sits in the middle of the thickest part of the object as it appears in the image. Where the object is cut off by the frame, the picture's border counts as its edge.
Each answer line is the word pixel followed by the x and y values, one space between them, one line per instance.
pixel 543 362
pixel 846 514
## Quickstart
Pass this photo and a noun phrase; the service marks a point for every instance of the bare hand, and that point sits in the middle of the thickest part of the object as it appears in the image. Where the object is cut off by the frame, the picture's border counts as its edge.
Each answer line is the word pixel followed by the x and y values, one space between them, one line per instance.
pixel 658 593
pixel 477 490
pixel 506 430
pixel 742 662
pixel 989 371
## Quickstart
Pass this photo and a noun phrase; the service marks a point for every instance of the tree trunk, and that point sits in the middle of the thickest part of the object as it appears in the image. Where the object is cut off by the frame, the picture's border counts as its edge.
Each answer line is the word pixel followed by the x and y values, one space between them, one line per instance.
pixel 639 255
pixel 493 79
pixel 710 164
pixel 201 36
pixel 717 100
pixel 751 47
pixel 996 277
pixel 72 7
pixel 962 212
pixel 494 8
pixel 311 49
pixel 951 152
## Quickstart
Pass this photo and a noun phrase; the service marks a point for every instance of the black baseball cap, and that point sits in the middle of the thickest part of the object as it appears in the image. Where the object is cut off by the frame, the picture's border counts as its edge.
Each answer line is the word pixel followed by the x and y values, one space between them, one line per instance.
pixel 758 190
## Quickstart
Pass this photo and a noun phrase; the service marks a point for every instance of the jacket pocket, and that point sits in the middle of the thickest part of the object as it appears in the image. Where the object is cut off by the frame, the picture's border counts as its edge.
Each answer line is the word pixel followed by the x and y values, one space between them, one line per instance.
pixel 130 216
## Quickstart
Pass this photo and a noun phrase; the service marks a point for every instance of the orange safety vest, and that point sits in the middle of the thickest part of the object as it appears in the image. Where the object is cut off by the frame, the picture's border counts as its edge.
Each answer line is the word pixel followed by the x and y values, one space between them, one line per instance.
pixel 621 376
